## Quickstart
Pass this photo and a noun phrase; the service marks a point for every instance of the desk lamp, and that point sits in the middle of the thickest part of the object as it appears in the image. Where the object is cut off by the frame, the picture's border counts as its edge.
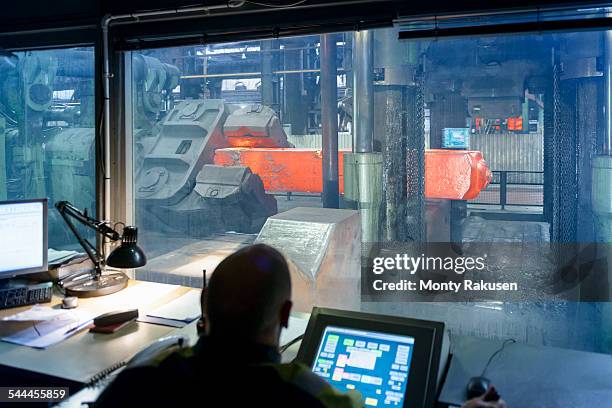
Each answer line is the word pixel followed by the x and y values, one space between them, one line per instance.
pixel 128 255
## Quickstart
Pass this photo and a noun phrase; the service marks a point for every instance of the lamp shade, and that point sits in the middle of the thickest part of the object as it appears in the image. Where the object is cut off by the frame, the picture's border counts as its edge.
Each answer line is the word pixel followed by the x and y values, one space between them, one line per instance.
pixel 128 254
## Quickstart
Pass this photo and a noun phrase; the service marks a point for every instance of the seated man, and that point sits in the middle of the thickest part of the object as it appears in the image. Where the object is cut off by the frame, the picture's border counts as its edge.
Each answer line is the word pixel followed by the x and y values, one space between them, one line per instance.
pixel 246 305
pixel 237 363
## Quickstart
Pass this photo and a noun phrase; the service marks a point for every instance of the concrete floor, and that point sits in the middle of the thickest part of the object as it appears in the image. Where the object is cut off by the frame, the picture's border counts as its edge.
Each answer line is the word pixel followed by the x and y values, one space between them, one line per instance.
pixel 572 325
pixel 543 317
pixel 478 229
pixel 516 248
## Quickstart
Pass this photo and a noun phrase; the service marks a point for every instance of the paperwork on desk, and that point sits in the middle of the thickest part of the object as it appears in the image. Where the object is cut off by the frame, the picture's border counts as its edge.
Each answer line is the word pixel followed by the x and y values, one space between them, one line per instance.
pixel 42 326
pixel 178 312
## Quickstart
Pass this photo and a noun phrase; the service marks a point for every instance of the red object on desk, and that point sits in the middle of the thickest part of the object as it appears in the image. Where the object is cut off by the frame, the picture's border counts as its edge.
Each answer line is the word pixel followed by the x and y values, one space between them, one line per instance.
pixel 111 328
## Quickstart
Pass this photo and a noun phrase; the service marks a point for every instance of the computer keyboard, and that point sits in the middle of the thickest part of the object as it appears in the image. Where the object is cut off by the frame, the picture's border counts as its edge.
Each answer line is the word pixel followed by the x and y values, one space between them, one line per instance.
pixel 27 294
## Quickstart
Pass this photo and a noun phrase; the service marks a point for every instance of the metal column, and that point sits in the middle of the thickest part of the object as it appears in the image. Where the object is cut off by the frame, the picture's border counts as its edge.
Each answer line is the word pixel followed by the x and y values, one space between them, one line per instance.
pixel 449 110
pixel 602 192
pixel 329 119
pixel 363 93
pixel 3 161
pixel 602 165
pixel 267 87
pixel 363 167
pixel 608 92
pixel 398 126
pixel 295 107
pixel 390 113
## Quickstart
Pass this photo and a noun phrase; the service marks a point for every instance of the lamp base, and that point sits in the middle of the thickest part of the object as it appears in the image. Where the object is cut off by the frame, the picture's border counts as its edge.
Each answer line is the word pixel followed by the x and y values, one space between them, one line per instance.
pixel 99 286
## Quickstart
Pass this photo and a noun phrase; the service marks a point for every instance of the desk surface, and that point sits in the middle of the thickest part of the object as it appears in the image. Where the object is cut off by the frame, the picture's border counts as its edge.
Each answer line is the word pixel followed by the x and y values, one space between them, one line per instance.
pixel 525 375
pixel 85 354
pixel 530 376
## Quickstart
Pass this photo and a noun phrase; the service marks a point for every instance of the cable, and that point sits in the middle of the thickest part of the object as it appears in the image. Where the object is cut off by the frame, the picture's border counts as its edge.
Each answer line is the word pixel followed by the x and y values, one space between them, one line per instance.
pixel 291 343
pixel 508 341
pixel 257 3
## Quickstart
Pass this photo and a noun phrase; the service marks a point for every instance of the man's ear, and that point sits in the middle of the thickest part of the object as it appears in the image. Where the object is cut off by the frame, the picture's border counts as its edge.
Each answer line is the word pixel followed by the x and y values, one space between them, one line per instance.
pixel 285 312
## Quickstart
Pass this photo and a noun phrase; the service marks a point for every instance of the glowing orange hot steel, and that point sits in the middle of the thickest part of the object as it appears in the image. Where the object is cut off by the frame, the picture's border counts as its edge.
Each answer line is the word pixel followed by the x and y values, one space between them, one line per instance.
pixel 449 174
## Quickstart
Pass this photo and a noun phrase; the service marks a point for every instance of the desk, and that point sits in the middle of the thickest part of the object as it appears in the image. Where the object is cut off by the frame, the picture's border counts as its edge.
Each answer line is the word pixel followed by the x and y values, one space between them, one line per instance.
pixel 525 375
pixel 530 376
pixel 297 327
pixel 77 359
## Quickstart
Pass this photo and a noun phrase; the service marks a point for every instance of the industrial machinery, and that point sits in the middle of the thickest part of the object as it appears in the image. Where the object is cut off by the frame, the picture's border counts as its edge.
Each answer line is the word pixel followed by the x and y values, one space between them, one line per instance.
pixel 176 188
pixel 174 179
pixel 47 129
pixel 47 124
pixel 449 174
pixel 47 135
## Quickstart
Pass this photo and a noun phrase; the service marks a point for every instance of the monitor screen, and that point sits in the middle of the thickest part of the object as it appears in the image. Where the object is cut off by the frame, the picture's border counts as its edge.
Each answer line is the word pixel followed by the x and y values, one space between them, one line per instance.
pixel 391 361
pixel 456 138
pixel 23 237
pixel 375 364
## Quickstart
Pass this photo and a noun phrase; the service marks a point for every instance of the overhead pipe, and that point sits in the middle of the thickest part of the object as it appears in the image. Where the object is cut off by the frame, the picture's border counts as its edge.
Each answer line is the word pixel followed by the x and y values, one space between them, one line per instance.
pixel 256 73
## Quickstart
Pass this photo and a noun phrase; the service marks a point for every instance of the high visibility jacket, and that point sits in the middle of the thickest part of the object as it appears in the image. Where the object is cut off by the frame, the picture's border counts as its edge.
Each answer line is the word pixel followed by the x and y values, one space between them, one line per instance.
pixel 223 374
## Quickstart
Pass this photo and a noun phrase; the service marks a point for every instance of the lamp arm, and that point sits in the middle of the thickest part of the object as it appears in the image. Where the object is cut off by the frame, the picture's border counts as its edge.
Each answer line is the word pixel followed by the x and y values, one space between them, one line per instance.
pixel 68 211
pixel 81 216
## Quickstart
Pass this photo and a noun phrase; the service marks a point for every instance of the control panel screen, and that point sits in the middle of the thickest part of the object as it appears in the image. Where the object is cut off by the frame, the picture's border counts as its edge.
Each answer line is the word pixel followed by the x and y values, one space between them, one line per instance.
pixel 373 363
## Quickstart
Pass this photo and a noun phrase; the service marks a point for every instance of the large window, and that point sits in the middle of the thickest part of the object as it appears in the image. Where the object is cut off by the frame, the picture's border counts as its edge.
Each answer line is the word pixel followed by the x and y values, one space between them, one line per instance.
pixel 493 148
pixel 47 132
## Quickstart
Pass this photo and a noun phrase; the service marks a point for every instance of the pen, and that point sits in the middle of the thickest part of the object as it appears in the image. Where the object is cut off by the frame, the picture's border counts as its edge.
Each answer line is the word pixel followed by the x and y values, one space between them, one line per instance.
pixel 79 327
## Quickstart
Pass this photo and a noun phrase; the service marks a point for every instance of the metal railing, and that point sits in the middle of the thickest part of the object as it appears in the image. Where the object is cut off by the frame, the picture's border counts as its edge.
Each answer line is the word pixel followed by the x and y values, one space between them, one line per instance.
pixel 513 188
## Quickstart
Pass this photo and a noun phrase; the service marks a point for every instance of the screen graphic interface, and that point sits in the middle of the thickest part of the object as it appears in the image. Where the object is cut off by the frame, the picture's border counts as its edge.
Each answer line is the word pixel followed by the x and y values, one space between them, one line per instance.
pixel 375 364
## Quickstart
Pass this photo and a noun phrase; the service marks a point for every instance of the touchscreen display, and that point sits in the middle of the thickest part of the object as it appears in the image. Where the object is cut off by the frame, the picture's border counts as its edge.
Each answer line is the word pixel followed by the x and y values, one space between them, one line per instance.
pixel 373 363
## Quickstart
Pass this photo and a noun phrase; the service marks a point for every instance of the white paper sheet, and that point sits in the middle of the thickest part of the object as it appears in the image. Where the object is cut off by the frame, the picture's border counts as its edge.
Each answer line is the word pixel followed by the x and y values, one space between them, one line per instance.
pixel 185 308
pixel 43 326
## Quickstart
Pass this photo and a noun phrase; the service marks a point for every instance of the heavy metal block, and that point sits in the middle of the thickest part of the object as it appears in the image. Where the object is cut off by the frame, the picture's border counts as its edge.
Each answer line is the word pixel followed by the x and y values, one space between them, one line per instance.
pixel 449 174
pixel 282 169
pixel 255 126
pixel 188 137
pixel 323 246
pixel 223 199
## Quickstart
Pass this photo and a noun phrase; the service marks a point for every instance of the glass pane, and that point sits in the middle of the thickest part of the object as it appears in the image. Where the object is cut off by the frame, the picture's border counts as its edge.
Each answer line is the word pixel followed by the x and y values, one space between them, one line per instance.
pixel 530 106
pixel 194 106
pixel 484 148
pixel 47 135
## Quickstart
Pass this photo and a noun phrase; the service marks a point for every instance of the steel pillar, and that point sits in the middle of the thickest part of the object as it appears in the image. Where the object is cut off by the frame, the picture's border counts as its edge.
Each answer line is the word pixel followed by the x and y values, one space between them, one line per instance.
pixel 329 119
pixel 363 92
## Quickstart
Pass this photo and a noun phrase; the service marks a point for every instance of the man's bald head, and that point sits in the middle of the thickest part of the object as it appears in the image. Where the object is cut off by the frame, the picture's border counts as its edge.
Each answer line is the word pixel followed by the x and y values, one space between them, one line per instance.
pixel 249 294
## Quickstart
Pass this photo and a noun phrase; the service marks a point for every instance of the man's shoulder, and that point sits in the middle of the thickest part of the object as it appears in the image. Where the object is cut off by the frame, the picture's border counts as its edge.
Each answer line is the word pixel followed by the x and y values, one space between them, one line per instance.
pixel 299 375
pixel 163 379
pixel 303 378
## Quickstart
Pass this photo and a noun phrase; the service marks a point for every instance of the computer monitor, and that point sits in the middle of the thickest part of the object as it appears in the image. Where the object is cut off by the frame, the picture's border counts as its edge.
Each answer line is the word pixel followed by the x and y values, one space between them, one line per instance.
pixel 391 361
pixel 23 237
